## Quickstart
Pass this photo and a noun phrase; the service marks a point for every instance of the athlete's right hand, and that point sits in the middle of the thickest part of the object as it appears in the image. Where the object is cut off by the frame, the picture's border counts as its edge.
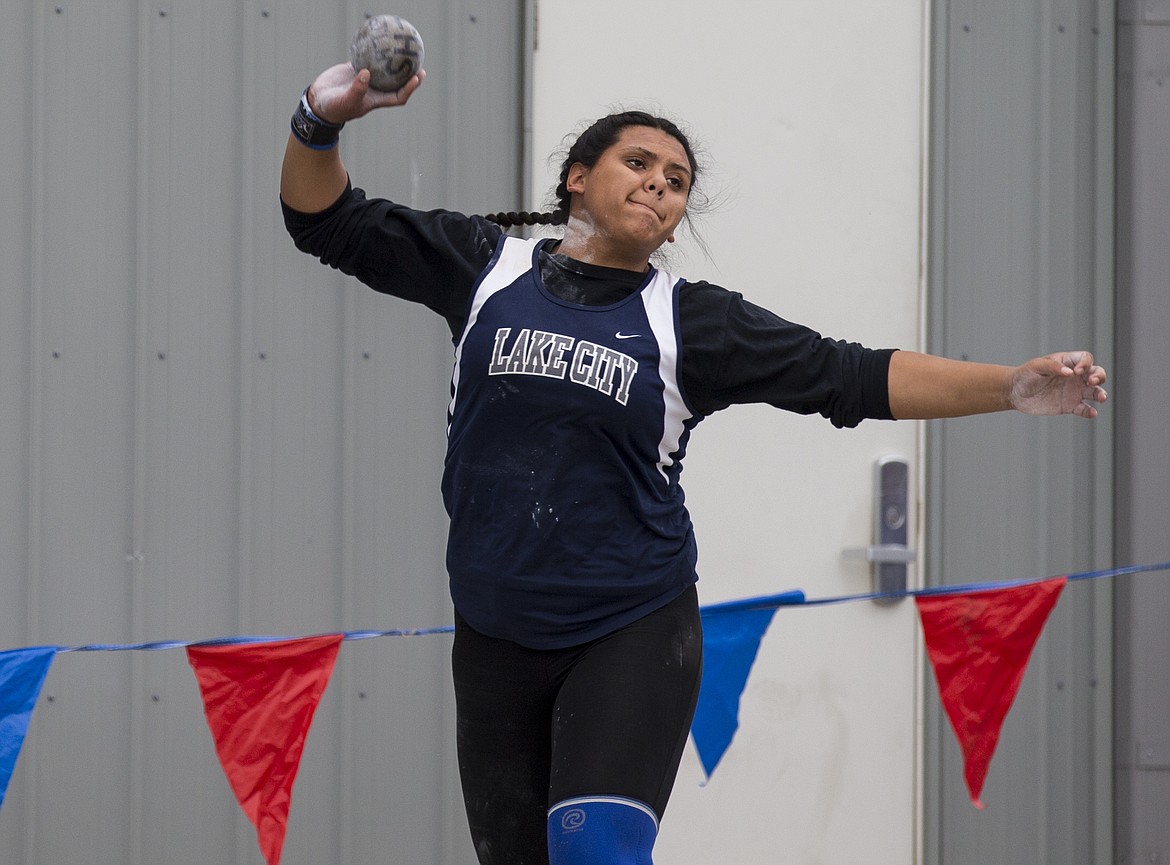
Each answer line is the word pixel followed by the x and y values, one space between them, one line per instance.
pixel 339 95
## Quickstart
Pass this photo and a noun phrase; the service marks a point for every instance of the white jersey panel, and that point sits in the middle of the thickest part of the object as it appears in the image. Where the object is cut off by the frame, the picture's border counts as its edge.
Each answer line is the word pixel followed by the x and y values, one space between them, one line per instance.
pixel 658 300
pixel 513 259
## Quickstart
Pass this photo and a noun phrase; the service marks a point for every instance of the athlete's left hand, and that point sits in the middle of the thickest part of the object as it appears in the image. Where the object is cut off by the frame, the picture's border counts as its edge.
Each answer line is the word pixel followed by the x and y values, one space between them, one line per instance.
pixel 1062 383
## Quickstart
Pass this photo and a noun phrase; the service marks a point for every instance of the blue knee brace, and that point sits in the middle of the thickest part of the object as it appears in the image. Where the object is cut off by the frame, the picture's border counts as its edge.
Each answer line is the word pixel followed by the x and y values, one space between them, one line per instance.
pixel 601 830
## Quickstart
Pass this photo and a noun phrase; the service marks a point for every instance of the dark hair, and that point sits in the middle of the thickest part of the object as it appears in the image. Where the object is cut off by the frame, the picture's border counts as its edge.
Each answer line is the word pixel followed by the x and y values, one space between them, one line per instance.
pixel 587 149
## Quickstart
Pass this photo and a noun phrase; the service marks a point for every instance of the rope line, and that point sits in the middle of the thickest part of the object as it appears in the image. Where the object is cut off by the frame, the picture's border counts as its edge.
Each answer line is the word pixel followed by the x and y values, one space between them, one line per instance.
pixel 794 598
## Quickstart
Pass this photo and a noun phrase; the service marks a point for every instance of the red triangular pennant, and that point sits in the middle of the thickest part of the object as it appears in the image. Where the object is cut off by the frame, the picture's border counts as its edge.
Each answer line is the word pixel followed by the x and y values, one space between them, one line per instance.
pixel 979 643
pixel 259 699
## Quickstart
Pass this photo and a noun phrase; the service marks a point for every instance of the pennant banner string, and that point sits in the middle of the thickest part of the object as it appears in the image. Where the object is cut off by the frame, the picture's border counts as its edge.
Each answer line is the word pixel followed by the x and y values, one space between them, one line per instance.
pixel 794 598
pixel 962 589
pixel 246 641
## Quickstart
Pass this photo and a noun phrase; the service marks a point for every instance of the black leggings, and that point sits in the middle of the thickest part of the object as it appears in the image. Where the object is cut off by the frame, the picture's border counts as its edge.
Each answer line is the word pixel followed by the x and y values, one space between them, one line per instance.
pixel 537 727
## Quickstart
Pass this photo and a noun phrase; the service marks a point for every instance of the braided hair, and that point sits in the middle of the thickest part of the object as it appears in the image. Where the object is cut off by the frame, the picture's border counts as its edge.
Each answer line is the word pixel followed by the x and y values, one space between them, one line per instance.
pixel 587 149
pixel 512 218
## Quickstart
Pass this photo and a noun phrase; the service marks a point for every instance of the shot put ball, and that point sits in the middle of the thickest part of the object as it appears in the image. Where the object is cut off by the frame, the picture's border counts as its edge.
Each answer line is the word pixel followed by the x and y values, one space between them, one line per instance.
pixel 390 48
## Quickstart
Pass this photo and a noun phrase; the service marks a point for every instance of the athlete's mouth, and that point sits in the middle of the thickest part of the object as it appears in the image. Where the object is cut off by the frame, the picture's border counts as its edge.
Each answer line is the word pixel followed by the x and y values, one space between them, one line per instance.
pixel 647 206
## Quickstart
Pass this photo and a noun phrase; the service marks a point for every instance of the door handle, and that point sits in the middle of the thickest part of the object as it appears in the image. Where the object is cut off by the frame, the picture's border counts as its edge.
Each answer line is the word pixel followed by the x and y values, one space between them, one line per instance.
pixel 889 555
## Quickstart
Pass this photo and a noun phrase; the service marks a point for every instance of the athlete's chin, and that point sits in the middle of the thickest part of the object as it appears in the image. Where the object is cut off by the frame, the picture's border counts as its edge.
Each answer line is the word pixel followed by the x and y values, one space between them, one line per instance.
pixel 648 233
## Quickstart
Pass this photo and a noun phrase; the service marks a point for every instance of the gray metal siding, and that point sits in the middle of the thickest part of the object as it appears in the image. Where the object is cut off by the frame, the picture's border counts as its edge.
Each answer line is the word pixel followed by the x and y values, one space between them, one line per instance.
pixel 208 433
pixel 1021 252
pixel 1143 465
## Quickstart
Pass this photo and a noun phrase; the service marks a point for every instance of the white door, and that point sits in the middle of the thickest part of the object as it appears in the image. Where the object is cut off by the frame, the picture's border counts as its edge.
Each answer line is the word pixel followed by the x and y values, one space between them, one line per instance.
pixel 812 119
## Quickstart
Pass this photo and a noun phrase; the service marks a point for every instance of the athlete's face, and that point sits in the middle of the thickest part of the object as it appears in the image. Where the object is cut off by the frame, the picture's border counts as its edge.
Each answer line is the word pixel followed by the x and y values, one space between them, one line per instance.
pixel 635 196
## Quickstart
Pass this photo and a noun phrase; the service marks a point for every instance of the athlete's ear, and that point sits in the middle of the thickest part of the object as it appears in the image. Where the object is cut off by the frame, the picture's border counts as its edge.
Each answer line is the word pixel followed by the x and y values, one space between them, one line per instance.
pixel 575 179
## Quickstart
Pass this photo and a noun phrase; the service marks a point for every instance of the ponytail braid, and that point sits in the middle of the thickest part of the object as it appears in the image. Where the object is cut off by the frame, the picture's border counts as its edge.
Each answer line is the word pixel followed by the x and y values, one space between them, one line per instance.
pixel 513 218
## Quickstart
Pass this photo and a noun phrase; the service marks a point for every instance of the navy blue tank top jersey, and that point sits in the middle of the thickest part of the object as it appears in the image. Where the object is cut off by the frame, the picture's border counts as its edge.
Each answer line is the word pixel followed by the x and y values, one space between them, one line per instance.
pixel 567 426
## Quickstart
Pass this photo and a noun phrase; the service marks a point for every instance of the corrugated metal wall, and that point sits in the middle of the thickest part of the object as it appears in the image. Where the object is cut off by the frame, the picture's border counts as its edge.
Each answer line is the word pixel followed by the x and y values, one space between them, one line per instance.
pixel 203 429
pixel 1022 264
pixel 1143 464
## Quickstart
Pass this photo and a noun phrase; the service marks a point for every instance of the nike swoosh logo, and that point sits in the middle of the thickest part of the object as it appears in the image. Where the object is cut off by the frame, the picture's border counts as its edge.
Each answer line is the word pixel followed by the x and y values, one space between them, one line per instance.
pixel 621 335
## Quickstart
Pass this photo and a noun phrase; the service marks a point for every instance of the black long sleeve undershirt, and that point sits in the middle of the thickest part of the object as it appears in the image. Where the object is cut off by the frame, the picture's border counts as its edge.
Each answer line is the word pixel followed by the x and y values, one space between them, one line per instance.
pixel 733 351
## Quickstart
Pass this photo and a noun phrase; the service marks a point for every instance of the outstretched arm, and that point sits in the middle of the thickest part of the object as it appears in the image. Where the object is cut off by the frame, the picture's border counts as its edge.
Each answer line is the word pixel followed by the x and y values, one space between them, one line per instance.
pixel 925 386
pixel 311 180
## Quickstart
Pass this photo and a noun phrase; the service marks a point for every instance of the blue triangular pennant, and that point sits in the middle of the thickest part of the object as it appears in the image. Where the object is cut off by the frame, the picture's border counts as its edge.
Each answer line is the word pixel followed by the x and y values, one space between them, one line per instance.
pixel 731 639
pixel 22 673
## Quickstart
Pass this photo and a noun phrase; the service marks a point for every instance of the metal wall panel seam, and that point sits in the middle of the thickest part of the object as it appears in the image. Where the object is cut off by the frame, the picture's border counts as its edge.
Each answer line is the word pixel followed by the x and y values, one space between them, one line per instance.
pixel 248 386
pixel 925 191
pixel 36 404
pixel 1041 661
pixel 244 840
pixel 140 449
pixel 347 736
pixel 940 38
pixel 347 776
pixel 1043 216
pixel 1048 144
pixel 1105 83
